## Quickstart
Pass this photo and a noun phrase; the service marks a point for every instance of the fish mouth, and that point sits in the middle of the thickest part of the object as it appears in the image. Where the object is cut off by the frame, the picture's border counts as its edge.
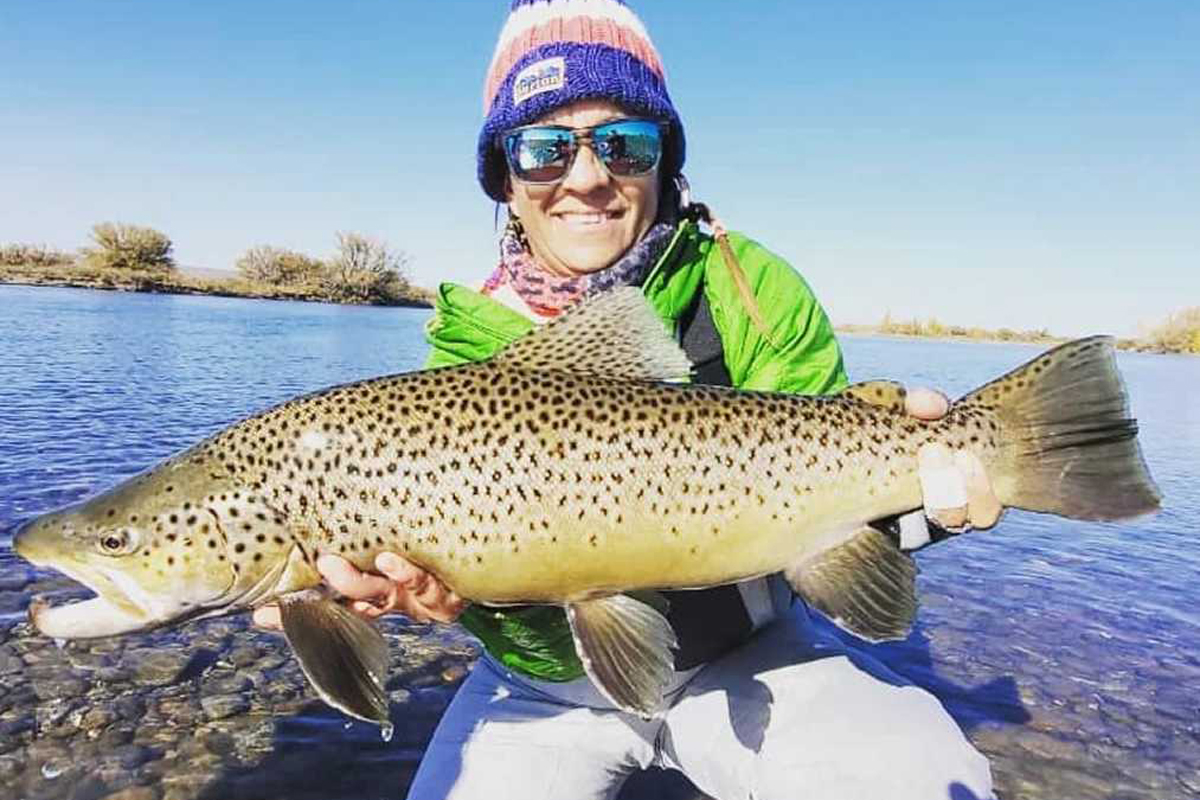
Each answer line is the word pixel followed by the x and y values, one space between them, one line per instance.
pixel 110 613
pixel 84 619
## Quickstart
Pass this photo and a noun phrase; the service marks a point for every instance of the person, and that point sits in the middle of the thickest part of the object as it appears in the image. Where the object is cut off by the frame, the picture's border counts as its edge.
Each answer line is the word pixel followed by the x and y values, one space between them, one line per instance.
pixel 583 145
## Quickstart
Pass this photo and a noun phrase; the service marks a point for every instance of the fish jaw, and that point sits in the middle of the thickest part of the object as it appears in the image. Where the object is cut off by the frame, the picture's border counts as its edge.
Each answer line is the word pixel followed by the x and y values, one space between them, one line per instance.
pixel 86 619
pixel 100 616
pixel 129 595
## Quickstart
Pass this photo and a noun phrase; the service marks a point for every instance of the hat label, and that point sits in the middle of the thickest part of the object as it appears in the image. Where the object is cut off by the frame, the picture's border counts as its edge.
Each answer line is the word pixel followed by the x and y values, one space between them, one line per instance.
pixel 540 77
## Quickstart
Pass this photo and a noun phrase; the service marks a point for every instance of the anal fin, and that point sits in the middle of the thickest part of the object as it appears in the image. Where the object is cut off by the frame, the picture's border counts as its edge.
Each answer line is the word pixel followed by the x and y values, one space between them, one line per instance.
pixel 865 585
pixel 625 646
pixel 344 657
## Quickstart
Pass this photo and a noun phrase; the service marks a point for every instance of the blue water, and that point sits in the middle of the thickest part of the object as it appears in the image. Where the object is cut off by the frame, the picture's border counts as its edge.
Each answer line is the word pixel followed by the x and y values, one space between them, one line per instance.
pixel 95 386
pixel 1069 652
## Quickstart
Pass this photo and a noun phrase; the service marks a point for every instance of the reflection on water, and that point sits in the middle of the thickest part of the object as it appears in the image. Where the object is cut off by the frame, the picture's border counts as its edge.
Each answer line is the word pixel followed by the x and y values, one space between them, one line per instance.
pixel 1068 651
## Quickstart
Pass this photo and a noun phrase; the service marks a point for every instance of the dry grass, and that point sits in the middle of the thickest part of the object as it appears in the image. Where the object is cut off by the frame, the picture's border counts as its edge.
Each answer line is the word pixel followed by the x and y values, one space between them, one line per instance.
pixel 174 282
pixel 1179 334
pixel 933 329
pixel 15 255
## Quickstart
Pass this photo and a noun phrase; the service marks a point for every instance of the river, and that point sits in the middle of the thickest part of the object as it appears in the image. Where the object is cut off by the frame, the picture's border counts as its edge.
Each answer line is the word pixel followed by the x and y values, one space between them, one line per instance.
pixel 1069 652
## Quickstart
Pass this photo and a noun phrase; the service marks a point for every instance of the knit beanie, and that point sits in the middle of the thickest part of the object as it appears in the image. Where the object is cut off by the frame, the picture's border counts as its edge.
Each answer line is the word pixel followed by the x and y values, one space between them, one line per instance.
pixel 553 53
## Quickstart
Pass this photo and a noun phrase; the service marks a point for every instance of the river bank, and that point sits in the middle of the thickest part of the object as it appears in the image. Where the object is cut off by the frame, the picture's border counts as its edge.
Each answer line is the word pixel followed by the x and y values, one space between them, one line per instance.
pixel 185 282
pixel 981 336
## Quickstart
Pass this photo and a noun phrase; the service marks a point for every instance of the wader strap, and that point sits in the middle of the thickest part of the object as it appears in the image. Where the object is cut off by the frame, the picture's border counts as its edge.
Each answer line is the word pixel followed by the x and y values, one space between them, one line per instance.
pixel 702 344
pixel 707 622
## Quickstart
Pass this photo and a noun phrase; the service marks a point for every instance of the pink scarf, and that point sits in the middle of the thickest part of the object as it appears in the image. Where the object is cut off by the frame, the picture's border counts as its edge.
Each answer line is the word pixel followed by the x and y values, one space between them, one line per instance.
pixel 549 295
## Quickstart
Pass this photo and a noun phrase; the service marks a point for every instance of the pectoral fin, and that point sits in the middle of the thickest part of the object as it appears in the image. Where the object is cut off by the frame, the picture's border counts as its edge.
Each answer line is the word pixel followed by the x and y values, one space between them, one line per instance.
pixel 625 646
pixel 864 585
pixel 343 656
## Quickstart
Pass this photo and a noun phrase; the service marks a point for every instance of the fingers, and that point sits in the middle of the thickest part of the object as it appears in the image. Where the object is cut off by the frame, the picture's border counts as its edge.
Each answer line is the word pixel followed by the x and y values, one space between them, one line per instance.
pixel 436 604
pixel 983 507
pixel 402 586
pixel 425 598
pixel 943 489
pixel 925 404
pixel 268 618
pixel 956 489
pixel 347 580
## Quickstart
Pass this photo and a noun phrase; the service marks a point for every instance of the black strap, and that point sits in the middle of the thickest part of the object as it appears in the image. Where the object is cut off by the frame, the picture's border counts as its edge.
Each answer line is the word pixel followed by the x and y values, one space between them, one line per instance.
pixel 702 344
pixel 707 622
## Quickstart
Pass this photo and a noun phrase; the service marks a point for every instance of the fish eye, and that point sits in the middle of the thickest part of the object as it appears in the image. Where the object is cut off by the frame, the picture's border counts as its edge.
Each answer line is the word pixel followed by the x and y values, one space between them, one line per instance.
pixel 114 542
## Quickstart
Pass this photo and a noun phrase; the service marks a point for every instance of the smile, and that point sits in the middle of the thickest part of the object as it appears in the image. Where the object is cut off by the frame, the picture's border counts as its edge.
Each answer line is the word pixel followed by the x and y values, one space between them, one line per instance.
pixel 589 219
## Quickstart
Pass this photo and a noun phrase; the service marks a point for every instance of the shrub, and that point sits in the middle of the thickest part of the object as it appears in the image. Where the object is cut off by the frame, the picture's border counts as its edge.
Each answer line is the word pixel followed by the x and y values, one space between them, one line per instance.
pixel 365 270
pixel 279 267
pixel 129 247
pixel 35 255
pixel 1179 334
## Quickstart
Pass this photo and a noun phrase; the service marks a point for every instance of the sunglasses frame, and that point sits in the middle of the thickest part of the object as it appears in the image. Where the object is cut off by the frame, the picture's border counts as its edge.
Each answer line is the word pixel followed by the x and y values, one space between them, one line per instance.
pixel 580 137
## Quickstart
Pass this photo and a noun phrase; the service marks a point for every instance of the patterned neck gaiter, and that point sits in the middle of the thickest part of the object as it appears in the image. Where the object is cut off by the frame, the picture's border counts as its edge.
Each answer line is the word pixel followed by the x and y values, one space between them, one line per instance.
pixel 549 295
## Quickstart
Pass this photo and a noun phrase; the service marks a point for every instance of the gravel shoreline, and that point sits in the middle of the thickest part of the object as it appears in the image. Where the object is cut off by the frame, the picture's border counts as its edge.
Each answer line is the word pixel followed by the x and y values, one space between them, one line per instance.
pixel 218 710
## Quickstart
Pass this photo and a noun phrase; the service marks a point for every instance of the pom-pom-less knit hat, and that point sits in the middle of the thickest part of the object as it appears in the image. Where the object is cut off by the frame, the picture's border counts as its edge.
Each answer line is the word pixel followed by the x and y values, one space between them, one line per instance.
pixel 553 53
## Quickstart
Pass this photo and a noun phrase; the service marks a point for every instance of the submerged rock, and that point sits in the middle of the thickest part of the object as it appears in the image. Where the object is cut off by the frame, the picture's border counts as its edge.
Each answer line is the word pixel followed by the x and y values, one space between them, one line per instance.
pixel 156 667
pixel 224 705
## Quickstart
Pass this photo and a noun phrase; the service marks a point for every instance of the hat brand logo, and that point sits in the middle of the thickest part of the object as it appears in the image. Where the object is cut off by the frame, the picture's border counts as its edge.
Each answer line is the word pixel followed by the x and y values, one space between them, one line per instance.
pixel 543 76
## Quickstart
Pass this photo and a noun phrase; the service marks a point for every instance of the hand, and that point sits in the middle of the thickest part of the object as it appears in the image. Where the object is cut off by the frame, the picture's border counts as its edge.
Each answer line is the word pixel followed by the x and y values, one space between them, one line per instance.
pixel 957 492
pixel 400 586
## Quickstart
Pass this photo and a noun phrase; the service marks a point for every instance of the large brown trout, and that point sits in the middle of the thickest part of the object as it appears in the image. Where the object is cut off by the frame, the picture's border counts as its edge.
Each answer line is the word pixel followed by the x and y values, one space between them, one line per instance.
pixel 575 469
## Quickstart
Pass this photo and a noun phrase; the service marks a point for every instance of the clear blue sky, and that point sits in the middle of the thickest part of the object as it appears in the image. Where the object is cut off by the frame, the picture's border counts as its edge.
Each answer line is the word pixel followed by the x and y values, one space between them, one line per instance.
pixel 1004 163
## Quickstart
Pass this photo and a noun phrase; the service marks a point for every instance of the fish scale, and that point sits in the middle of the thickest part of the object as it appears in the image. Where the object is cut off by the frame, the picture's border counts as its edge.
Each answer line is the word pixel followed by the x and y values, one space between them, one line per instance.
pixel 560 465
pixel 574 469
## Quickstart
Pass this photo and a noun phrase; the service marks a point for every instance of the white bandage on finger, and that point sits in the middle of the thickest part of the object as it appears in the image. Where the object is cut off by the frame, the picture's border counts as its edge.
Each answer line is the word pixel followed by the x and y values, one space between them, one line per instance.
pixel 942 487
pixel 914 530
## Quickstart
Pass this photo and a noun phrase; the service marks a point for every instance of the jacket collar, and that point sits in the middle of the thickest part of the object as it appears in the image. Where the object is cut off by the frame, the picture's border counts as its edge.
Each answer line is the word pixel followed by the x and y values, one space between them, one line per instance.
pixel 464 312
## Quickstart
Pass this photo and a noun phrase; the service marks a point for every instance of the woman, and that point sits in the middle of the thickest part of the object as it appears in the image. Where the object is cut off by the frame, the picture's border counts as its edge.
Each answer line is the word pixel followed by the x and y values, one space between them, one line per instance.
pixel 583 145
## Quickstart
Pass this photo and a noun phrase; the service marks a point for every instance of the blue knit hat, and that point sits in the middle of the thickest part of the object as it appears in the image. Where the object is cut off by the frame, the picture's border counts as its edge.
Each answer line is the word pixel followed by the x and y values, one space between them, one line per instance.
pixel 553 53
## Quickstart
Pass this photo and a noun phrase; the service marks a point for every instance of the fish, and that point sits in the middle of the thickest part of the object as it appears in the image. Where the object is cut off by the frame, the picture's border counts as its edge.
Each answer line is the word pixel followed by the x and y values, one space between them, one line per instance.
pixel 577 468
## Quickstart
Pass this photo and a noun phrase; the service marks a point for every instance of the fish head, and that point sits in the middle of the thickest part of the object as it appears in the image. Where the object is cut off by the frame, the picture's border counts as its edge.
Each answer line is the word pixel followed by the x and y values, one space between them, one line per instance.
pixel 162 547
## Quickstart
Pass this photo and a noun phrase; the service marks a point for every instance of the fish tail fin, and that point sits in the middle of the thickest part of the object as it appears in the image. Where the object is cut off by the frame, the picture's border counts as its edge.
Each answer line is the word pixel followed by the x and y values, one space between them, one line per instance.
pixel 1067 443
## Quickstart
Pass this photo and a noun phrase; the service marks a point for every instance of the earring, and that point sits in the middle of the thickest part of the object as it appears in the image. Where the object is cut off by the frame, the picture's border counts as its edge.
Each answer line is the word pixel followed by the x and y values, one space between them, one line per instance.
pixel 514 229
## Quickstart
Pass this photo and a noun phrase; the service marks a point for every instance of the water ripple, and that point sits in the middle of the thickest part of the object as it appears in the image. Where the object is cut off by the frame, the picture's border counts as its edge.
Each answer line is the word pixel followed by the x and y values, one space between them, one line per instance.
pixel 1068 650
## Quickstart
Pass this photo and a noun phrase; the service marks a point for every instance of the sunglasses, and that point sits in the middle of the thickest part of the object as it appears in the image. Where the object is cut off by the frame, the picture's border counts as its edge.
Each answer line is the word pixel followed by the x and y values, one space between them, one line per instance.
pixel 543 154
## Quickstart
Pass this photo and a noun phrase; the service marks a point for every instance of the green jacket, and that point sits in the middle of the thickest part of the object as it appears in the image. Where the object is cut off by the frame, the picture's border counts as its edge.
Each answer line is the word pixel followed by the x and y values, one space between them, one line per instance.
pixel 469 326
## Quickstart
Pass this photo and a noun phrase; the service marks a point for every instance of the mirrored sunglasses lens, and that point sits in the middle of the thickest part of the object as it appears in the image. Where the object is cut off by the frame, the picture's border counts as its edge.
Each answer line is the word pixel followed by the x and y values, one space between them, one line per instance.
pixel 538 156
pixel 630 147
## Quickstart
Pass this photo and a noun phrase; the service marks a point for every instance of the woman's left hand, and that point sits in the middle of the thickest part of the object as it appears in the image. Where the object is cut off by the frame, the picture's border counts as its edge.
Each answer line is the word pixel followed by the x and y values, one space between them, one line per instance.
pixel 954 485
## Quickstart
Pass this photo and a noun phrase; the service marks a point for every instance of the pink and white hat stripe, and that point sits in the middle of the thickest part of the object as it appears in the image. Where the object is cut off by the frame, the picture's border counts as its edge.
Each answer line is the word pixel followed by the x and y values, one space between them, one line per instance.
pixel 534 23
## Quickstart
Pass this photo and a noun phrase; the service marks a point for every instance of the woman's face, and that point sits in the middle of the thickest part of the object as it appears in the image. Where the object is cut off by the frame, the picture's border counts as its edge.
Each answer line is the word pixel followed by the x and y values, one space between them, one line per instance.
pixel 589 219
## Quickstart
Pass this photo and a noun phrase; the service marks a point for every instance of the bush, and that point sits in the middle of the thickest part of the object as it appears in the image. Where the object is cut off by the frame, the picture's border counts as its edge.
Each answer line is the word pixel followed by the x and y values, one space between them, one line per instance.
pixel 34 255
pixel 365 270
pixel 279 267
pixel 1179 334
pixel 129 247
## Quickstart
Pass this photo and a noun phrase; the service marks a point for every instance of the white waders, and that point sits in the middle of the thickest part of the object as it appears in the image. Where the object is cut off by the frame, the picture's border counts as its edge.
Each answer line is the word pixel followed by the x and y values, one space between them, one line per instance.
pixel 787 716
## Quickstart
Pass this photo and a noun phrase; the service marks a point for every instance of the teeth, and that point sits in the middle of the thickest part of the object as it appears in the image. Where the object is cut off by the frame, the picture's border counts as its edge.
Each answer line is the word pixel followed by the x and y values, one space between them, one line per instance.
pixel 585 219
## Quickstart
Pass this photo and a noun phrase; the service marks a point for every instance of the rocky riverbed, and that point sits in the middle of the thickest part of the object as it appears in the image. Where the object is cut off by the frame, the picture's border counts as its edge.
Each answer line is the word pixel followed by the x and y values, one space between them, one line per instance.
pixel 214 711
pixel 220 711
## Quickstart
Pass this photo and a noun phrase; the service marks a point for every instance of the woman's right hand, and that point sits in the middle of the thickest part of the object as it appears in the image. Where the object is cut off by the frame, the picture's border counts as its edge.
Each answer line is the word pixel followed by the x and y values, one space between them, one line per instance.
pixel 400 586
